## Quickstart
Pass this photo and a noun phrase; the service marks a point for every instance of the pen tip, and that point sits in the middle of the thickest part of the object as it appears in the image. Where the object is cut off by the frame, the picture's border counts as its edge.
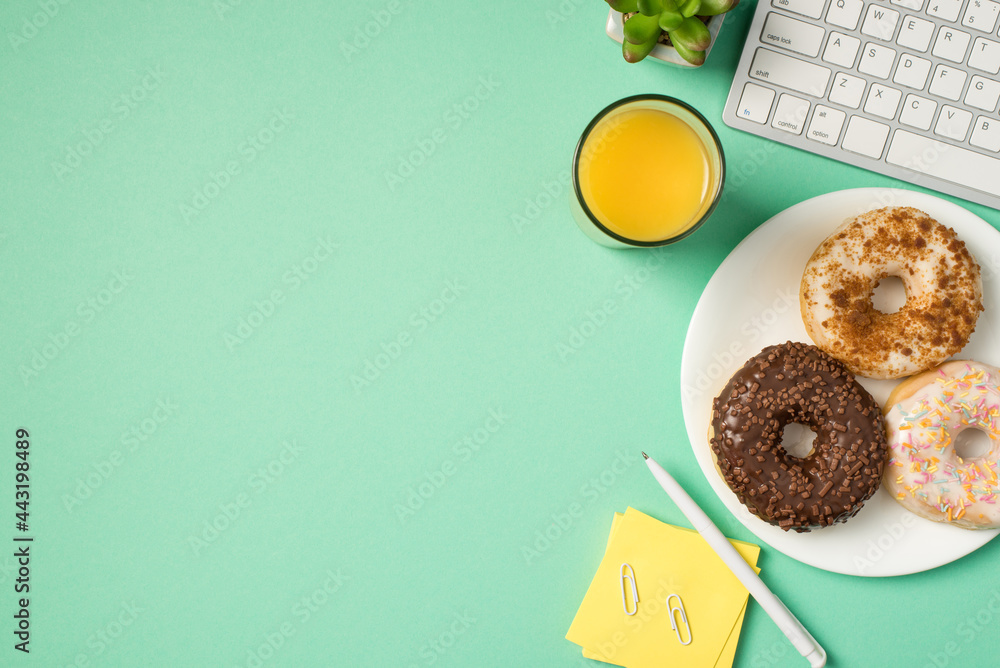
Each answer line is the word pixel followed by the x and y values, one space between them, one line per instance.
pixel 645 456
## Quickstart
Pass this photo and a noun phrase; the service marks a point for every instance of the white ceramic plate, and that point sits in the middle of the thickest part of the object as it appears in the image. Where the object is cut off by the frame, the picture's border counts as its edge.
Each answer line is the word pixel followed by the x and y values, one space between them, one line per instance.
pixel 752 302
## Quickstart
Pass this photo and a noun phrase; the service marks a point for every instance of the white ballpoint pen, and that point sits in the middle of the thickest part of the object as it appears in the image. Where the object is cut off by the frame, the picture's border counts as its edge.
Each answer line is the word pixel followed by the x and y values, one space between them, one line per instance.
pixel 772 605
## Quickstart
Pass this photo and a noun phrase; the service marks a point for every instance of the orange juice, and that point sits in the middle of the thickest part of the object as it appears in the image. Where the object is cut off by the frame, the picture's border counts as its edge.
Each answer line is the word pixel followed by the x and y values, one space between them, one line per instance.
pixel 646 173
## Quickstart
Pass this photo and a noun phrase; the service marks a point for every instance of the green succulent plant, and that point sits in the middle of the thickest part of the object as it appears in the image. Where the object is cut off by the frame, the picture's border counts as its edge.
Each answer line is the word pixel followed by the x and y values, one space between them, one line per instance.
pixel 678 18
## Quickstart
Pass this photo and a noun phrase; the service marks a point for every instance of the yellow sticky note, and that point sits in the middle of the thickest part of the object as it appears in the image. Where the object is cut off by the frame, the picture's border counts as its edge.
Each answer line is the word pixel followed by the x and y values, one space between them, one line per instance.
pixel 726 657
pixel 666 560
pixel 587 654
pixel 728 654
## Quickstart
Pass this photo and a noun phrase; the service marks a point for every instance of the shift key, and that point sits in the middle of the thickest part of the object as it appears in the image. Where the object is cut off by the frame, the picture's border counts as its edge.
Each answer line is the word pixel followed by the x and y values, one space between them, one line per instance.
pixel 791 73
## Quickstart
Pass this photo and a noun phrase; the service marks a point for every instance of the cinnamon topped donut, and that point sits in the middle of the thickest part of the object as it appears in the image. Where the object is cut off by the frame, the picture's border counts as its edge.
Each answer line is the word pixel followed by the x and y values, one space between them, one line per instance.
pixel 943 293
pixel 796 382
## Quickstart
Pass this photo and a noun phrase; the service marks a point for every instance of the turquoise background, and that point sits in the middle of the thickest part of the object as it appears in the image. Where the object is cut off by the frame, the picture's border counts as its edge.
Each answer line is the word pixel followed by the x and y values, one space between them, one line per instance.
pixel 219 375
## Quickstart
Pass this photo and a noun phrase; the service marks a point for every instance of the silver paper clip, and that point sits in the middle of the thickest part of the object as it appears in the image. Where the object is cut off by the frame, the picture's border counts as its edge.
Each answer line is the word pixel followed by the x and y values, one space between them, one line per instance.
pixel 684 619
pixel 629 576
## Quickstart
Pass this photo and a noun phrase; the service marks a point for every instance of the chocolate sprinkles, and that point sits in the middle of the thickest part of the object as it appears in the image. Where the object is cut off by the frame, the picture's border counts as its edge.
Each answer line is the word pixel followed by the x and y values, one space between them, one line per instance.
pixel 796 382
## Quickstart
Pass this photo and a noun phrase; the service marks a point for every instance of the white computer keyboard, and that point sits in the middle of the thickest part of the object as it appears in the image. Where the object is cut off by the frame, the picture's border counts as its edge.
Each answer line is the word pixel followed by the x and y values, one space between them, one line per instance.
pixel 907 88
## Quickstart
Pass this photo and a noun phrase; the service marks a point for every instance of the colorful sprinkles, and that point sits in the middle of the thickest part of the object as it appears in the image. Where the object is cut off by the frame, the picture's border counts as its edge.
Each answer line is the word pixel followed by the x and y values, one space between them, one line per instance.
pixel 922 465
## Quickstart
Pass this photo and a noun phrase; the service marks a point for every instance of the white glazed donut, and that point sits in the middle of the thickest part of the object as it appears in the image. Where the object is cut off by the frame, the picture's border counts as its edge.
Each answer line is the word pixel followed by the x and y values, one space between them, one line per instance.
pixel 923 416
pixel 943 293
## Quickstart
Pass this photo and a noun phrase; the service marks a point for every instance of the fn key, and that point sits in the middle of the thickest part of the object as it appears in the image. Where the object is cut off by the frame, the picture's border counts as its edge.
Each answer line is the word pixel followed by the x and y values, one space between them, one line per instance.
pixel 755 104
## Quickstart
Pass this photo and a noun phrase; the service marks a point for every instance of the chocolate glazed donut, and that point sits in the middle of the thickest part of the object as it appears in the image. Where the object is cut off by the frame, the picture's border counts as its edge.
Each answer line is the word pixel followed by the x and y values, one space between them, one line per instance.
pixel 795 382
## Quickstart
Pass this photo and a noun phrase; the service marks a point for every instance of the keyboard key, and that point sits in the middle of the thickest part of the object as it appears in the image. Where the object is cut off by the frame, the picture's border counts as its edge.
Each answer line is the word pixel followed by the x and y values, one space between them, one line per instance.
pixel 951 44
pixel 909 4
pixel 918 112
pixel 880 22
pixel 912 71
pixel 792 34
pixel 826 124
pixel 953 123
pixel 945 9
pixel 841 49
pixel 791 73
pixel 981 15
pixel 986 134
pixel 882 101
pixel 811 8
pixel 877 60
pixel 847 90
pixel 845 13
pixel 790 114
pixel 915 33
pixel 949 163
pixel 985 55
pixel 983 93
pixel 948 82
pixel 865 137
pixel 755 103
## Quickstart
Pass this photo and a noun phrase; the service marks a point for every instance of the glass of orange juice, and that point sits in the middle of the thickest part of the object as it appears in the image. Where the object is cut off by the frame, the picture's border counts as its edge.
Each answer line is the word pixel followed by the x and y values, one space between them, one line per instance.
pixel 648 171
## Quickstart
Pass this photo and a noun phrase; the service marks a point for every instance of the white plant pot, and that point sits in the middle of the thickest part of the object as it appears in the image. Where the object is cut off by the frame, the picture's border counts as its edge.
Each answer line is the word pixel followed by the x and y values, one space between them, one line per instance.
pixel 661 52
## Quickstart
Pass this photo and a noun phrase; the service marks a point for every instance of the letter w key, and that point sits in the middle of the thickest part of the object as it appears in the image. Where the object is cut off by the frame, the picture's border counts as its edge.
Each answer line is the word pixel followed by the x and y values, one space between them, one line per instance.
pixel 880 22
